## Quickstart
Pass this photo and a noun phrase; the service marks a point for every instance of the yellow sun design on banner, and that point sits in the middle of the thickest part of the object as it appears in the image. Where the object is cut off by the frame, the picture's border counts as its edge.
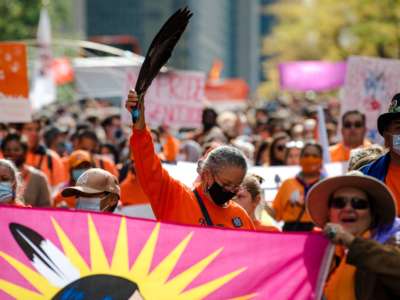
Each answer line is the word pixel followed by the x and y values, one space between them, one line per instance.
pixel 152 285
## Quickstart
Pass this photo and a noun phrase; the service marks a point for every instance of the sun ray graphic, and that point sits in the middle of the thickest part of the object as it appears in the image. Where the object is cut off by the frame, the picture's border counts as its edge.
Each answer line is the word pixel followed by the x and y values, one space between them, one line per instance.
pixel 153 284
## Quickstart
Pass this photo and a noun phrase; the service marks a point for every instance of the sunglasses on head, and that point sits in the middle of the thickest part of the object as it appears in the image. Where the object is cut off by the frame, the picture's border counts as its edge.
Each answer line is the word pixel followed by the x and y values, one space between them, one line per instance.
pixel 341 202
pixel 349 125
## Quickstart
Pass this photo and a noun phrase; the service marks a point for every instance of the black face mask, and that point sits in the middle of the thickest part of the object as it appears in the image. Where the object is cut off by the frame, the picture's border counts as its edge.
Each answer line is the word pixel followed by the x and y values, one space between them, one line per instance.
pixel 219 195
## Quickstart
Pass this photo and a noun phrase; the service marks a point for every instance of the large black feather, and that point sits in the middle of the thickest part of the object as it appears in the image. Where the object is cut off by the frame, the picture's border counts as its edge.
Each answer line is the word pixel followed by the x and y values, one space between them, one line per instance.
pixel 160 51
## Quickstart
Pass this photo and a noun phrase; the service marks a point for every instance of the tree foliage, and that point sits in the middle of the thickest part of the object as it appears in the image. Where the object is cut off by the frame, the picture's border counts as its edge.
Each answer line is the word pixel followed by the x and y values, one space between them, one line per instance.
pixel 20 18
pixel 330 30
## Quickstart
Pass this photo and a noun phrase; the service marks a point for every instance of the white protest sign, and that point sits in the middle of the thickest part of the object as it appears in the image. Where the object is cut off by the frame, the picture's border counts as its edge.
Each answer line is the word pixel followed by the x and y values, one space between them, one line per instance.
pixel 370 85
pixel 174 98
pixel 273 176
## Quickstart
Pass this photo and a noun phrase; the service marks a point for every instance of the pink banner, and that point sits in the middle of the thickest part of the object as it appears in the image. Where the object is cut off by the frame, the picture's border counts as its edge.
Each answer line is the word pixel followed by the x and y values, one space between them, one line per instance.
pixel 59 254
pixel 312 75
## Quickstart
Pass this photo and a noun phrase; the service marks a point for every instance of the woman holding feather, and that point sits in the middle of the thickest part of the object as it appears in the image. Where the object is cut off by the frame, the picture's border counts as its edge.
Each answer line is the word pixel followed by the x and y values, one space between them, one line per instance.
pixel 210 204
pixel 221 173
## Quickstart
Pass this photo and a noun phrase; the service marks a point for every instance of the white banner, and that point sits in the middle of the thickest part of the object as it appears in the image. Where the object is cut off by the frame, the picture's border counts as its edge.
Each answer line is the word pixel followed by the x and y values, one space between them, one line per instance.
pixel 273 176
pixel 174 98
pixel 370 85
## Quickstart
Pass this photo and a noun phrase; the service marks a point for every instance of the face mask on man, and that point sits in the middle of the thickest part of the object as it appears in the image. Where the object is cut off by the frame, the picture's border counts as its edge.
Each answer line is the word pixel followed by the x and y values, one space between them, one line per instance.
pixel 6 191
pixel 219 195
pixel 88 203
pixel 396 143
pixel 310 164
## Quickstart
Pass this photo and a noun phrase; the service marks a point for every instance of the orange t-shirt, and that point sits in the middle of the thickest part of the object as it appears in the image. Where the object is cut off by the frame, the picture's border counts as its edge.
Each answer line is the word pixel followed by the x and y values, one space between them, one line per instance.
pixel 106 164
pixel 58 198
pixel 131 191
pixel 284 209
pixel 393 182
pixel 170 149
pixel 340 152
pixel 171 200
pixel 261 227
pixel 55 174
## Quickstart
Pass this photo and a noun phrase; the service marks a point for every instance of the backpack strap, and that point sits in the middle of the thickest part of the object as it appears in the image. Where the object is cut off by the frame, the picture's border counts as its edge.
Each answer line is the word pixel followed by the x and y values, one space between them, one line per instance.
pixel 203 208
pixel 50 163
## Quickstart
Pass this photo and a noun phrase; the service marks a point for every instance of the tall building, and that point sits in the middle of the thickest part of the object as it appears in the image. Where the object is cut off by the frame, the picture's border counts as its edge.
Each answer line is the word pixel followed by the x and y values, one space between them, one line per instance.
pixel 228 30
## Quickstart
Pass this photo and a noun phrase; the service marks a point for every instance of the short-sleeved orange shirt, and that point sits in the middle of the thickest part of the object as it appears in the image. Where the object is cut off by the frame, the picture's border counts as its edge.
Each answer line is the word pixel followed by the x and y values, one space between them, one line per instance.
pixel 285 210
pixel 54 171
pixel 393 183
pixel 340 152
pixel 131 191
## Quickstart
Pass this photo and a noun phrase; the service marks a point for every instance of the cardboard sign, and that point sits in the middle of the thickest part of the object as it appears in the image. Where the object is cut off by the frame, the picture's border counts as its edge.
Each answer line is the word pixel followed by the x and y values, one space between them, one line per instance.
pixel 14 88
pixel 370 85
pixel 174 98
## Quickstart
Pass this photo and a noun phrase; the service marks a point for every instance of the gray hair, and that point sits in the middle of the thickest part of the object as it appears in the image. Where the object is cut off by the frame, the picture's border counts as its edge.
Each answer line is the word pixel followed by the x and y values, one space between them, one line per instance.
pixel 16 178
pixel 221 157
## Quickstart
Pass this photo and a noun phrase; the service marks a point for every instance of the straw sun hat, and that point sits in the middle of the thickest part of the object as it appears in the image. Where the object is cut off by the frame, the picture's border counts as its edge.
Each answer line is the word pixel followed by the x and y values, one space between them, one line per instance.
pixel 382 200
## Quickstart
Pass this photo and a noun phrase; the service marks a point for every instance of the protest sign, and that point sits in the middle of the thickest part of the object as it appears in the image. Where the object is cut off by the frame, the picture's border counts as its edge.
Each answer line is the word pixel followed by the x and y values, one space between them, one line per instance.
pixel 14 86
pixel 60 254
pixel 174 98
pixel 370 85
pixel 273 176
pixel 311 75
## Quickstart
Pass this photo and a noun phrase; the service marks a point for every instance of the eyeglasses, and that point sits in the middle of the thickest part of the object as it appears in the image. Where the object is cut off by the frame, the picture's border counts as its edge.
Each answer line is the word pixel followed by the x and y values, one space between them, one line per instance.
pixel 341 202
pixel 349 125
pixel 228 187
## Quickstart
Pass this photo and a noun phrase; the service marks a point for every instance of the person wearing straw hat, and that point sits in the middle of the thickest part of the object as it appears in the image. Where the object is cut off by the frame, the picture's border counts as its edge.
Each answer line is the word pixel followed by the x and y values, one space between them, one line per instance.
pixel 351 208
pixel 387 167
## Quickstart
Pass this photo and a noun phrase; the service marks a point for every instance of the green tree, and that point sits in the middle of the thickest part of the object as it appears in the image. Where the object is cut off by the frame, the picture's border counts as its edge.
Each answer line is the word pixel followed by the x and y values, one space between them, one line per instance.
pixel 330 30
pixel 19 18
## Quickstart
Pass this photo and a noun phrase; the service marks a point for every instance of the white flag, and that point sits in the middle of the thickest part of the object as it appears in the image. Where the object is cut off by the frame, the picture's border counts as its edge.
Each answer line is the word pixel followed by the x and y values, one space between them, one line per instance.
pixel 43 88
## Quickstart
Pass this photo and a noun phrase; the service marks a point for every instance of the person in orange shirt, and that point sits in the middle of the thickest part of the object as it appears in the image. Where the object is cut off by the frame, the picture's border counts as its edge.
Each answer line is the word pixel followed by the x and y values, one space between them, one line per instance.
pixel 78 162
pixel 87 140
pixel 210 203
pixel 353 136
pixel 131 191
pixel 42 158
pixel 249 197
pixel 288 205
pixel 387 167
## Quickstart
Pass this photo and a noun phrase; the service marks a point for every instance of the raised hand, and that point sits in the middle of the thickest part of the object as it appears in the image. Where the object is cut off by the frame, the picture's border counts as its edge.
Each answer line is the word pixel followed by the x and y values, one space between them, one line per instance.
pixel 133 102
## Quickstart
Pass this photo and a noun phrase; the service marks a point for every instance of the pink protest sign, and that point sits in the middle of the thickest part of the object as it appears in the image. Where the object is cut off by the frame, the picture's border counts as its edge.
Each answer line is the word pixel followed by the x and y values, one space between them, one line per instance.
pixel 311 75
pixel 59 254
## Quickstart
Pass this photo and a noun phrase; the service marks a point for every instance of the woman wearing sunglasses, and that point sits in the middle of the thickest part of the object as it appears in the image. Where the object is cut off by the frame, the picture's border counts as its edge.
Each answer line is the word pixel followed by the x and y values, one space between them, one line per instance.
pixel 352 209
